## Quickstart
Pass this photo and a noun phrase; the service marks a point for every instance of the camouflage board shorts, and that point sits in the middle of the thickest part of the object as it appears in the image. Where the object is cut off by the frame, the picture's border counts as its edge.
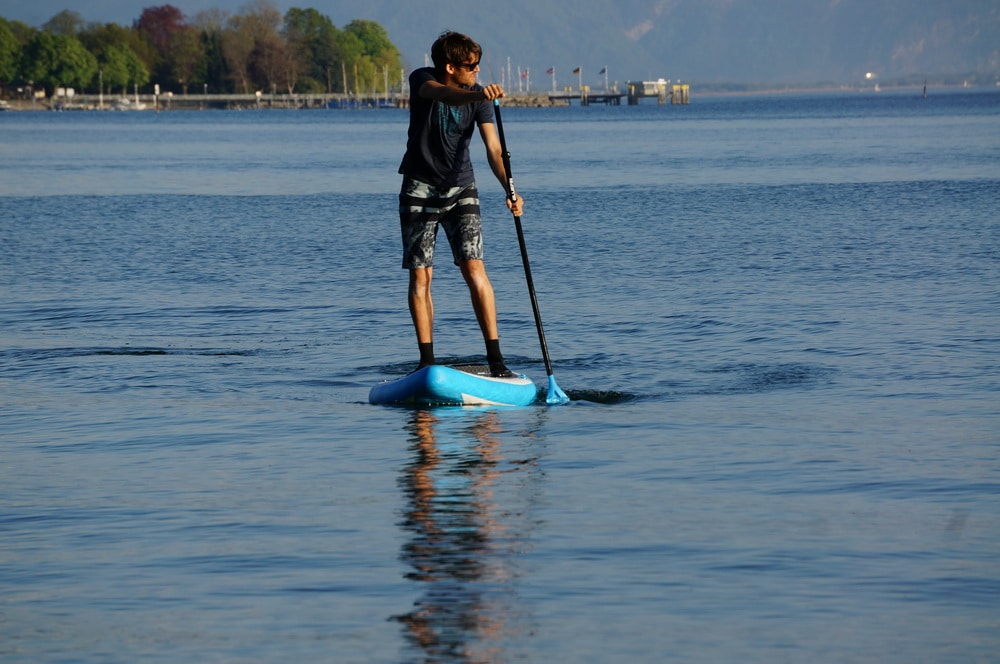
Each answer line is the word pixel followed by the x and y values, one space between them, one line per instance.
pixel 422 207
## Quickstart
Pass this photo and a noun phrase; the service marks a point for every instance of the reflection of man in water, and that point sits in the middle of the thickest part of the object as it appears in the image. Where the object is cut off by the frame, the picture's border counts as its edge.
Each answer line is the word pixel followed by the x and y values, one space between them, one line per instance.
pixel 456 545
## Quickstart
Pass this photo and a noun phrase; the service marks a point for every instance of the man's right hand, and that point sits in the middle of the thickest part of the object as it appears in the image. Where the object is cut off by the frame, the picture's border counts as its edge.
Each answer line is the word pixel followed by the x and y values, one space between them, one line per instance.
pixel 492 91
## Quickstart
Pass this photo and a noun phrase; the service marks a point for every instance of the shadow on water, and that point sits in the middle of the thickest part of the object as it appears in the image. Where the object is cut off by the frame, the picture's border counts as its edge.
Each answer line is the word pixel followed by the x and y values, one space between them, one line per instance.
pixel 584 366
pixel 136 351
pixel 605 397
pixel 750 378
pixel 466 520
pixel 727 379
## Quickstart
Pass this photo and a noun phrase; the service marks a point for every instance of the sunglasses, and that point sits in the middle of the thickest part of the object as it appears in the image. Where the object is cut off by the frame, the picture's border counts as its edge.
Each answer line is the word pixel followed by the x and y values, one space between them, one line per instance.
pixel 470 66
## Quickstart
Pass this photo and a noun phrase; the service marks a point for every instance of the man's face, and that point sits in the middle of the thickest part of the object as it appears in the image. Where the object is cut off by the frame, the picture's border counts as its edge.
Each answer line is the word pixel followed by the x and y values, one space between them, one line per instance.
pixel 465 73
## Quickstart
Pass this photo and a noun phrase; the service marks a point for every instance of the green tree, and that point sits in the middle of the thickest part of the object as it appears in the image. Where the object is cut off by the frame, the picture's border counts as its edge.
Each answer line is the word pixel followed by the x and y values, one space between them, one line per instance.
pixel 212 70
pixel 66 22
pixel 10 53
pixel 99 36
pixel 366 75
pixel 186 53
pixel 257 49
pixel 55 60
pixel 327 58
pixel 22 31
pixel 299 29
pixel 373 37
pixel 349 51
pixel 117 49
pixel 120 66
pixel 138 73
pixel 113 63
pixel 314 42
pixel 376 60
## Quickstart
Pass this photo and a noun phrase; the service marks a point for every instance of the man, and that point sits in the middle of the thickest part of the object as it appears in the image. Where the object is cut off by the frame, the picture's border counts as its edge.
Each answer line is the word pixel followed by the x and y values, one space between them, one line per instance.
pixel 439 186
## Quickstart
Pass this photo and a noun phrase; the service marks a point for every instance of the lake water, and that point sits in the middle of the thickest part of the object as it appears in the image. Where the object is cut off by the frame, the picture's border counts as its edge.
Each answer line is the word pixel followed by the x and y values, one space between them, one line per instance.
pixel 778 318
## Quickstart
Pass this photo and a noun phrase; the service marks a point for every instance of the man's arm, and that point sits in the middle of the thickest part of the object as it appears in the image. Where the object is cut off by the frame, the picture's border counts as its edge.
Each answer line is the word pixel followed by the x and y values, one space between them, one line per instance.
pixel 494 154
pixel 456 96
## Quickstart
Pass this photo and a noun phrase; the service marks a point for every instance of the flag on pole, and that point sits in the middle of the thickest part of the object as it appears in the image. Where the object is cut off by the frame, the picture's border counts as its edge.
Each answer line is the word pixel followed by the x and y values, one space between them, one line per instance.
pixel 576 71
pixel 550 71
pixel 603 72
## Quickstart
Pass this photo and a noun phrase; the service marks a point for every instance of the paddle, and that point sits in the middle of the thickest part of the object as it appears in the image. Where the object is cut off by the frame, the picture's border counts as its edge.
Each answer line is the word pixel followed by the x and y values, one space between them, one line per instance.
pixel 554 395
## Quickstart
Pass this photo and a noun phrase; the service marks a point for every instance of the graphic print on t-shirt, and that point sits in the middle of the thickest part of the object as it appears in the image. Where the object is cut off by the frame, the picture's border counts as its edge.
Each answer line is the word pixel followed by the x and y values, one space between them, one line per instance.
pixel 449 119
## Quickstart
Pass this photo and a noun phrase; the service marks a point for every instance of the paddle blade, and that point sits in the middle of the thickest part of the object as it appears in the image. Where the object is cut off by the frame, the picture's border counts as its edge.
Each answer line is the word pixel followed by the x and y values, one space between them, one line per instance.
pixel 555 395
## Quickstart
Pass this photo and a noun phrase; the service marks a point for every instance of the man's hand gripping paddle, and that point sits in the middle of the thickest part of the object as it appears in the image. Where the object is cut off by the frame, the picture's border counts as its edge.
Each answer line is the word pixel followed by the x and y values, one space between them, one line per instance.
pixel 554 395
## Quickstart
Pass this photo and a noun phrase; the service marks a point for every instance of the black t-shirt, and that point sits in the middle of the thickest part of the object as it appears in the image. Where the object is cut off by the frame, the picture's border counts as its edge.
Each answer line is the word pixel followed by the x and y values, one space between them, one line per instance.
pixel 437 147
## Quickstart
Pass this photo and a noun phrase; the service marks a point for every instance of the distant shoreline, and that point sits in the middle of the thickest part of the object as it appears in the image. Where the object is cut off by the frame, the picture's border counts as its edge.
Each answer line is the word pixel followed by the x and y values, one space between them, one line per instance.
pixel 90 102
pixel 722 92
pixel 195 102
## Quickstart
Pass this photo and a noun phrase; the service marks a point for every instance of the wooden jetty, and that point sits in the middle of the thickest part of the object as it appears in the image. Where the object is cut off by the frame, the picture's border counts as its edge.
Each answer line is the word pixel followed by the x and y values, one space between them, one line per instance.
pixel 286 101
pixel 586 96
pixel 169 101
pixel 661 89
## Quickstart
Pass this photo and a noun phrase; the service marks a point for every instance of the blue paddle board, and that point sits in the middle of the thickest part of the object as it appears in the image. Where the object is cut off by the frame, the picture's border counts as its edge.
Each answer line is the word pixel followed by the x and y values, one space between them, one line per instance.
pixel 440 385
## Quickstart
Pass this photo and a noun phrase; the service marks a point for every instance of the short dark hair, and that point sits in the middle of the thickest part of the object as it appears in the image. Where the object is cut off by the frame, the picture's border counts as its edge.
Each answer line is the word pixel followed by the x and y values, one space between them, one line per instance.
pixel 454 47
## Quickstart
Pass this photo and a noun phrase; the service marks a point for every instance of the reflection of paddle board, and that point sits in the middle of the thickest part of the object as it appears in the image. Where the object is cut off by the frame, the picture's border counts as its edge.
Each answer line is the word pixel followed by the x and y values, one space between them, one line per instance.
pixel 471 385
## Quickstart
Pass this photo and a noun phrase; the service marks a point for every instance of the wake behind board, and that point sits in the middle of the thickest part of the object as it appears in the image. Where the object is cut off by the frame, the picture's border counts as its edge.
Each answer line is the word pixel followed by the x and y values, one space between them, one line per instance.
pixel 470 385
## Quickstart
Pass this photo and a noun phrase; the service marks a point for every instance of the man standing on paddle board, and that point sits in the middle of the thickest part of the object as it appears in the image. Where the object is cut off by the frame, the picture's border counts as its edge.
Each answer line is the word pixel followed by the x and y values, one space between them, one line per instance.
pixel 439 187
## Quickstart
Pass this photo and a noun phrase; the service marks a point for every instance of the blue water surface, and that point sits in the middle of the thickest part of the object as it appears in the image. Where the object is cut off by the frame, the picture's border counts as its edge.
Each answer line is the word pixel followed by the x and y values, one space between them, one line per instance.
pixel 777 316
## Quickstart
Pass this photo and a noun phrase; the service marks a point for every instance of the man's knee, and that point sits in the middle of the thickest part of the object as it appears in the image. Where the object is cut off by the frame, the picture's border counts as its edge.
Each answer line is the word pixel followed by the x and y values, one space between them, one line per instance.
pixel 473 269
pixel 420 279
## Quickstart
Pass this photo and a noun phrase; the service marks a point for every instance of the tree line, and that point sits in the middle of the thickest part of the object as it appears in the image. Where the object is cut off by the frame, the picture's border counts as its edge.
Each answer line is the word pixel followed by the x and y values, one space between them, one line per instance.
pixel 257 49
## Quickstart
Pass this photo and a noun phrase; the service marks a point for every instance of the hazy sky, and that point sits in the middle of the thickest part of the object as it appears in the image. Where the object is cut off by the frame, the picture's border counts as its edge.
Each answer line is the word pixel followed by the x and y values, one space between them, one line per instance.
pixel 797 41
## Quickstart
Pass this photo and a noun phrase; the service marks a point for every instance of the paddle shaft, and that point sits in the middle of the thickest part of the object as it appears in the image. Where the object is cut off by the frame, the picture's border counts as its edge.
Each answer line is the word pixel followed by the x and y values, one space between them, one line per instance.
pixel 520 241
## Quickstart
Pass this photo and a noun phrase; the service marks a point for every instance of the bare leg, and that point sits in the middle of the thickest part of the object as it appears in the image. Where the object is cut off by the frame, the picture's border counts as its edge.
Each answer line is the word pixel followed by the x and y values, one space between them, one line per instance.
pixel 483 301
pixel 421 304
pixel 484 304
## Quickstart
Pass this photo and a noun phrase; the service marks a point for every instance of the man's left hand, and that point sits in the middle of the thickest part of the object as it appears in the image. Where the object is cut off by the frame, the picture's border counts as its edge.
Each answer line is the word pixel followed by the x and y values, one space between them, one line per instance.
pixel 516 206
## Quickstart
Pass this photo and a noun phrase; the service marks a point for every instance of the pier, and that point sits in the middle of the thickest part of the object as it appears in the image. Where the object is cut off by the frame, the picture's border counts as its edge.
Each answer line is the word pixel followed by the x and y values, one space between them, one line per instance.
pixel 169 101
pixel 662 90
pixel 281 101
pixel 586 97
pixel 241 102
